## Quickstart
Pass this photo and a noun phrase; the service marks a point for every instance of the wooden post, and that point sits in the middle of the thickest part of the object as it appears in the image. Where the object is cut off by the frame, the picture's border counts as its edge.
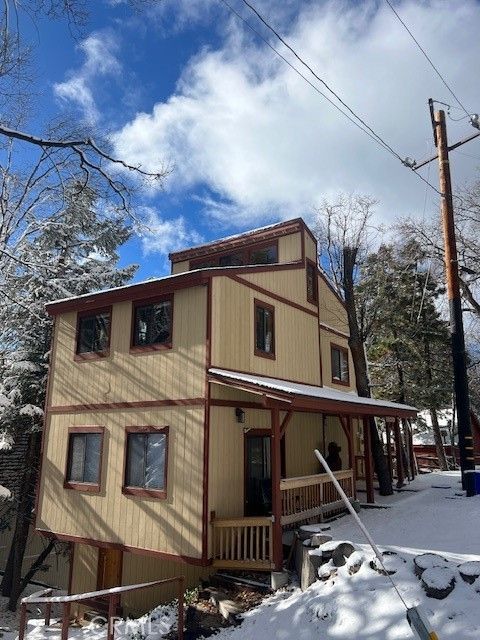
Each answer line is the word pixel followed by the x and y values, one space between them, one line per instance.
pixel 412 450
pixel 113 602
pixel 276 493
pixel 48 613
pixel 65 620
pixel 398 454
pixel 23 621
pixel 367 452
pixel 351 454
pixel 389 448
pixel 181 610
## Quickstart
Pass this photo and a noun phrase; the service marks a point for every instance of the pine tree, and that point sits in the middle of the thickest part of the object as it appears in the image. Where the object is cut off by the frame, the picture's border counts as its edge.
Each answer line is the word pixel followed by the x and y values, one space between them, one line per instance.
pixel 72 251
pixel 408 348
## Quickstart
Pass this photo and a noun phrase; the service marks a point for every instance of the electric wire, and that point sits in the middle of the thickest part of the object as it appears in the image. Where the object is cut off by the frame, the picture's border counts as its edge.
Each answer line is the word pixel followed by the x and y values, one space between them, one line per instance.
pixel 299 73
pixel 426 56
pixel 368 130
pixel 315 75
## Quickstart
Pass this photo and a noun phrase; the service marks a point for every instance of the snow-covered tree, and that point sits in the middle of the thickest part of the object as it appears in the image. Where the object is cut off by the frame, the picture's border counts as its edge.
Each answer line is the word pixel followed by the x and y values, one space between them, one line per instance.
pixel 60 251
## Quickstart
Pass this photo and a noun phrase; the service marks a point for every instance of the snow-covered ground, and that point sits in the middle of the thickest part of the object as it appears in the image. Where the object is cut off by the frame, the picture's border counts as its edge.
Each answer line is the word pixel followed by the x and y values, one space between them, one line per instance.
pixel 365 606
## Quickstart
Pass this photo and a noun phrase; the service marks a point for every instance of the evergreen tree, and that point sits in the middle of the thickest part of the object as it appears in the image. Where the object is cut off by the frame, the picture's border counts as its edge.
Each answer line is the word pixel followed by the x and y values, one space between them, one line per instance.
pixel 408 348
pixel 73 251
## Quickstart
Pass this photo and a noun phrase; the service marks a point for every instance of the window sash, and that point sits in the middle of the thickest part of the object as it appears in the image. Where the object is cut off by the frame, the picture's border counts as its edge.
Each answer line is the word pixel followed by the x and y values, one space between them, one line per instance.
pixel 84 458
pixel 340 371
pixel 146 461
pixel 153 324
pixel 93 333
pixel 265 339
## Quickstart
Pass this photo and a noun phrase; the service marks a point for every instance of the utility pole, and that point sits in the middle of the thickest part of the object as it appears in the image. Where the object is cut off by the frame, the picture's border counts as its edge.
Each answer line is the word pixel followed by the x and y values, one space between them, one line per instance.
pixel 465 440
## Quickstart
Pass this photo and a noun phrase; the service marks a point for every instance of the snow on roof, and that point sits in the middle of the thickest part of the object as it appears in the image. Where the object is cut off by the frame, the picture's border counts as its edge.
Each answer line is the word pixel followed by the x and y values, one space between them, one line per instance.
pixel 309 390
pixel 234 236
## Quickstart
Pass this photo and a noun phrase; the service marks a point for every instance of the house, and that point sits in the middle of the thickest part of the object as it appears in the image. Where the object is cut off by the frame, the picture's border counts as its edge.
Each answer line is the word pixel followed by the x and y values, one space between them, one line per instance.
pixel 182 414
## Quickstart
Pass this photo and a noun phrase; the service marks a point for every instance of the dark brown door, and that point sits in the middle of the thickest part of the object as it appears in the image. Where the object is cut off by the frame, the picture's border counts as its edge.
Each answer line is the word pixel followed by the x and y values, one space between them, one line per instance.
pixel 258 476
pixel 109 572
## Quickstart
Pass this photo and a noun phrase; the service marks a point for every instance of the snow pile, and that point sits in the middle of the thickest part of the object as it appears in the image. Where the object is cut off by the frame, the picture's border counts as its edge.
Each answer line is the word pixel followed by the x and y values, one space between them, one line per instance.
pixel 5 494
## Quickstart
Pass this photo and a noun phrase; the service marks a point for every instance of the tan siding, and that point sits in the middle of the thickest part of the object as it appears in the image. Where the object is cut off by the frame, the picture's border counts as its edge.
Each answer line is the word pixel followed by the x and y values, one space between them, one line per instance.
pixel 167 374
pixel 326 339
pixel 310 248
pixel 303 435
pixel 172 526
pixel 84 572
pixel 181 267
pixel 296 335
pixel 331 310
pixel 287 284
pixel 335 433
pixel 290 247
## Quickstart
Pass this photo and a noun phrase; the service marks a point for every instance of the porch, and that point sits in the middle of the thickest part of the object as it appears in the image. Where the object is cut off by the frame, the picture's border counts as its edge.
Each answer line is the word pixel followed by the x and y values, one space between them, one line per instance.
pixel 278 483
pixel 247 543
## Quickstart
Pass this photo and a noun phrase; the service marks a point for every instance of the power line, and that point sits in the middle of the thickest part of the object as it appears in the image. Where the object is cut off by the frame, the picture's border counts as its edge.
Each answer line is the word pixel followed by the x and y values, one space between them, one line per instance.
pixel 298 72
pixel 307 66
pixel 375 137
pixel 426 56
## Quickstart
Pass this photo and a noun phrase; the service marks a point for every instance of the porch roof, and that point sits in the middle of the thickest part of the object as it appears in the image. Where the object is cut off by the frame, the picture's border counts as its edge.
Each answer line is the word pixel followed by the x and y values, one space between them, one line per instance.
pixel 310 397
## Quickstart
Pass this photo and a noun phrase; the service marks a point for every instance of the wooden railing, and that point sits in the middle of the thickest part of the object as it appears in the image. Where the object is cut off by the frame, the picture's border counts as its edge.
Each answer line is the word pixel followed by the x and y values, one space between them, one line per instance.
pixel 242 543
pixel 113 596
pixel 312 496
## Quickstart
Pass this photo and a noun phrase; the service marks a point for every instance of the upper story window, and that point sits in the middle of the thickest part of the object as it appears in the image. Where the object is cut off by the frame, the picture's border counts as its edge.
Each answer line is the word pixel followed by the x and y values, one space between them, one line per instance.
pixel 340 371
pixel 93 333
pixel 312 282
pixel 84 458
pixel 146 461
pixel 256 254
pixel 152 324
pixel 264 329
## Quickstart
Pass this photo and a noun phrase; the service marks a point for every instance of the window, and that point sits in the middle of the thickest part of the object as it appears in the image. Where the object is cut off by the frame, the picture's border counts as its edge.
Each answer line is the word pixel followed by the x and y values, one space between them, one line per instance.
pixel 340 373
pixel 264 329
pixel 84 458
pixel 93 333
pixel 152 324
pixel 312 282
pixel 146 461
pixel 256 254
pixel 264 255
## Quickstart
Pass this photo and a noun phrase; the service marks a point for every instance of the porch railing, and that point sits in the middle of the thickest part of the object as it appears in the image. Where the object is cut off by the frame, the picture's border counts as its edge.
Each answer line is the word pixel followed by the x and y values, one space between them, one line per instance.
pixel 312 496
pixel 242 543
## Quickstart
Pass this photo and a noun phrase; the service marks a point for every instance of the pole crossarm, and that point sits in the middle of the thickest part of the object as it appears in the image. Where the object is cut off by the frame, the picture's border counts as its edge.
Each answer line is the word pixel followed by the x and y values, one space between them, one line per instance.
pixel 450 148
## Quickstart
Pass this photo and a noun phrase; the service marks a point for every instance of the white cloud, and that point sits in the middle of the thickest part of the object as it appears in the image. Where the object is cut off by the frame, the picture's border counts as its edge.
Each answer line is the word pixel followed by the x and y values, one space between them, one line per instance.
pixel 263 144
pixel 100 49
pixel 163 236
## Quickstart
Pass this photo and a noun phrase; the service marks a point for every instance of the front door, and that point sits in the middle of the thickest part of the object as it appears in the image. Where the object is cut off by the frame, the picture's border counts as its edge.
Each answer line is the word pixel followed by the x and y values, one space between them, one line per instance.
pixel 258 476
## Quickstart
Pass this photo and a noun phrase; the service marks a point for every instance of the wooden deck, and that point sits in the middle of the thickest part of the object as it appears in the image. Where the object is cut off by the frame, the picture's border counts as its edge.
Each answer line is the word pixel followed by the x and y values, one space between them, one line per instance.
pixel 247 543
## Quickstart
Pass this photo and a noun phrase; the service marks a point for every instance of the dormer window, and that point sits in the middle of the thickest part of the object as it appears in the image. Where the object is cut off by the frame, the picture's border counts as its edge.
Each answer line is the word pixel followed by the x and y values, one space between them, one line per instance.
pixel 255 254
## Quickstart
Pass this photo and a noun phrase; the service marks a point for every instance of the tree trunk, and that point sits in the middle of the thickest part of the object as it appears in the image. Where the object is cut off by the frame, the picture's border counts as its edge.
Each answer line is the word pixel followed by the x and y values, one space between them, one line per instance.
pixel 13 572
pixel 437 436
pixel 35 566
pixel 357 349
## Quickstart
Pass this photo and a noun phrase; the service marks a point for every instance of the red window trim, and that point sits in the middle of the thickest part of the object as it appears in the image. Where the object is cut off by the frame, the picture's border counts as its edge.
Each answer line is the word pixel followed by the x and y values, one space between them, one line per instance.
pixel 92 355
pixel 148 348
pixel 160 494
pixel 92 487
pixel 311 263
pixel 269 307
pixel 333 345
pixel 245 251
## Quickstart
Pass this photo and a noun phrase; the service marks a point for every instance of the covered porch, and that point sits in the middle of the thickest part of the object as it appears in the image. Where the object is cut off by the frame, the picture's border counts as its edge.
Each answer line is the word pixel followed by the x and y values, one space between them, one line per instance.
pixel 288 420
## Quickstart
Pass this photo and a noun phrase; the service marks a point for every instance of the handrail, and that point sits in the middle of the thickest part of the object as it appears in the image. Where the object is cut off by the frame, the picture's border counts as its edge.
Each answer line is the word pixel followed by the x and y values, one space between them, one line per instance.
pixel 113 594
pixel 317 478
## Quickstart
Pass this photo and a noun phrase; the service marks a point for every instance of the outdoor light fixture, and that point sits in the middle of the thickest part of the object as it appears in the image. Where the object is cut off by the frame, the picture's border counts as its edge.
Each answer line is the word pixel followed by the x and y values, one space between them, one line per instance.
pixel 475 121
pixel 240 415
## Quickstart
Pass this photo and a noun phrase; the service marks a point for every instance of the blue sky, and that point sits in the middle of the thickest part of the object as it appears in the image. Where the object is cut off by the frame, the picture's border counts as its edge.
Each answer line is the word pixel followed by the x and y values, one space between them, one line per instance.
pixel 251 143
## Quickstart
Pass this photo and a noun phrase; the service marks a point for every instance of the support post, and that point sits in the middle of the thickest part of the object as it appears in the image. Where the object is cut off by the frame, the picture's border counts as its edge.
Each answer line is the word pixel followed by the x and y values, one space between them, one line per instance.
pixel 48 613
pixel 465 440
pixel 23 621
pixel 181 607
pixel 65 620
pixel 113 602
pixel 351 454
pixel 276 494
pixel 367 451
pixel 399 454
pixel 389 448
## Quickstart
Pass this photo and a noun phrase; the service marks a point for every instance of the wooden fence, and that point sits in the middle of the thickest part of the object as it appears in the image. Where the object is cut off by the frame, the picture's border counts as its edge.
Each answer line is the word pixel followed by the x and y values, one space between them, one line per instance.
pixel 242 543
